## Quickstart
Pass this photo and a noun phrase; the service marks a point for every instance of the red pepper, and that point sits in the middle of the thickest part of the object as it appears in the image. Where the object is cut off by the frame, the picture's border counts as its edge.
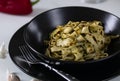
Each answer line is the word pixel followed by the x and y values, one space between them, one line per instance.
pixel 18 7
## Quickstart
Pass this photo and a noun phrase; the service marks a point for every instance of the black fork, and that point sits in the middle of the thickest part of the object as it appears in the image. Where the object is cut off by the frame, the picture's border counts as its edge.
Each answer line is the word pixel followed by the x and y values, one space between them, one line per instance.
pixel 31 59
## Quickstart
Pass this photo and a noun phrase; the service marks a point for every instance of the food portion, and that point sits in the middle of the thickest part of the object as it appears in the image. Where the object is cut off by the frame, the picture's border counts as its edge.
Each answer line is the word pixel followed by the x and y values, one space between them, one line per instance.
pixel 78 41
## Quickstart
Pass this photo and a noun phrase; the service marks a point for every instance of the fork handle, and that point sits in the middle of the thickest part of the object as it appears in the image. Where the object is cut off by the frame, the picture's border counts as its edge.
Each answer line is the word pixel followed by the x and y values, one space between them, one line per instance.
pixel 64 75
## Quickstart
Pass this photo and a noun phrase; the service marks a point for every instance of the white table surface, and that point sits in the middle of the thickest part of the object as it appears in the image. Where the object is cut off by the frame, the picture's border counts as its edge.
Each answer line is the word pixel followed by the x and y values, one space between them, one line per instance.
pixel 9 24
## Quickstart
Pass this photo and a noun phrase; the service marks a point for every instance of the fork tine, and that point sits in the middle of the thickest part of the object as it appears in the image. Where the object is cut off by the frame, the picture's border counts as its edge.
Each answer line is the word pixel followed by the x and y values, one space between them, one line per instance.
pixel 29 57
pixel 29 54
pixel 22 51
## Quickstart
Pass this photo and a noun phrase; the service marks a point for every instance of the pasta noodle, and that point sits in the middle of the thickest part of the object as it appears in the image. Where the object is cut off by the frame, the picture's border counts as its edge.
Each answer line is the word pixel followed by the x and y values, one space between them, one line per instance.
pixel 78 41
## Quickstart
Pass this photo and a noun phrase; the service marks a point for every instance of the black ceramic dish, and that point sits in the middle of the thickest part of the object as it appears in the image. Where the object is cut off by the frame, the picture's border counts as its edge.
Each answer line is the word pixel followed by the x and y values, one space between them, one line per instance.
pixel 42 25
pixel 43 74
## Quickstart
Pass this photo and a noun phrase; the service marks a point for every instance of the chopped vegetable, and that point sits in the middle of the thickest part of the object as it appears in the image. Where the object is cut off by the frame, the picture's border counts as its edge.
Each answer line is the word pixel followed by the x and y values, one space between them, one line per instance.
pixel 18 7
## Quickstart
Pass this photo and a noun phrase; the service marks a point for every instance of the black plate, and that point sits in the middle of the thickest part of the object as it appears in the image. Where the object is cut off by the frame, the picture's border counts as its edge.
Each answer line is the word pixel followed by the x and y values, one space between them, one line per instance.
pixel 41 26
pixel 41 73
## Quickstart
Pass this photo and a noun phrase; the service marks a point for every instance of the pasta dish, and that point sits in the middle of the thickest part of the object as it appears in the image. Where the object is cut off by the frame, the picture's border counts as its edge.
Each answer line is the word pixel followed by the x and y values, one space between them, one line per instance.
pixel 78 41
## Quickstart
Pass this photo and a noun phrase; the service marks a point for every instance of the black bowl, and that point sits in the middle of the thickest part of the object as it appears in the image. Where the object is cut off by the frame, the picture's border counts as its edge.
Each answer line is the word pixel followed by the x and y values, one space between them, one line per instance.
pixel 42 25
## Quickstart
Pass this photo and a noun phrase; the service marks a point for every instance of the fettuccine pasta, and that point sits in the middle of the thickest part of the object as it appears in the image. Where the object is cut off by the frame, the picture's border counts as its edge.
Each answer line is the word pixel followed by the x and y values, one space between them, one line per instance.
pixel 78 41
